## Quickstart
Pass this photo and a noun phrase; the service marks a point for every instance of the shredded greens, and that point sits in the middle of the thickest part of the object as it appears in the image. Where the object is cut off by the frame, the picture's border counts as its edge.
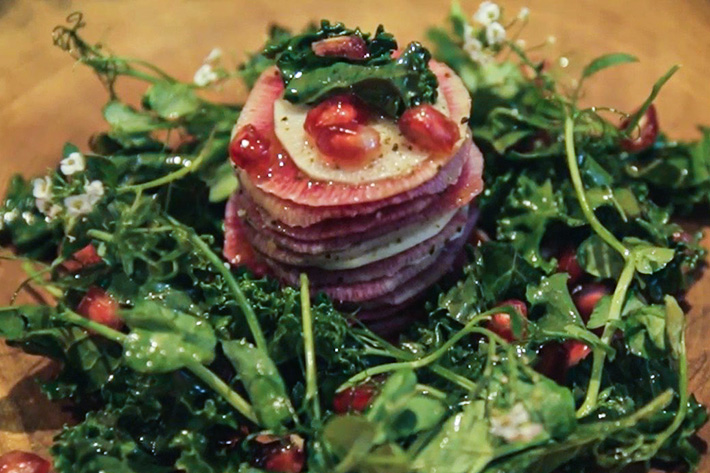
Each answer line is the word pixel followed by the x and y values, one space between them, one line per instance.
pixel 214 367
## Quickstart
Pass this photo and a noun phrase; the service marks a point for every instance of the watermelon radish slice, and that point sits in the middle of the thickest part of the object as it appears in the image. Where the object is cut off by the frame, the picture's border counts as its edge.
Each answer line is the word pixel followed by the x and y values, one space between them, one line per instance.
pixel 299 215
pixel 284 179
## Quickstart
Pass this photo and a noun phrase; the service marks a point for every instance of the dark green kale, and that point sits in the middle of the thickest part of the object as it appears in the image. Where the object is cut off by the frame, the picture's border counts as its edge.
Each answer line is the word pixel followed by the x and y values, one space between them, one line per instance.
pixel 389 84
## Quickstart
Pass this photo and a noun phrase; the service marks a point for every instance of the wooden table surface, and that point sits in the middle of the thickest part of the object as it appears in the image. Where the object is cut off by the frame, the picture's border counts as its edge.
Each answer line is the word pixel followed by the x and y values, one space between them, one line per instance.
pixel 45 100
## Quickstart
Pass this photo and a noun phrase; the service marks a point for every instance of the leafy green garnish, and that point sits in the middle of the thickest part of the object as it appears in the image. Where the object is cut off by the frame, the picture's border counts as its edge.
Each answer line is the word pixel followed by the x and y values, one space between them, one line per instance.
pixel 389 84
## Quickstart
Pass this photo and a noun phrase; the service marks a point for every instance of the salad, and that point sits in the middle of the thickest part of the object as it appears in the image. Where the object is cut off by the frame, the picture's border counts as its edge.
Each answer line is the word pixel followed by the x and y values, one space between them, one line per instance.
pixel 388 259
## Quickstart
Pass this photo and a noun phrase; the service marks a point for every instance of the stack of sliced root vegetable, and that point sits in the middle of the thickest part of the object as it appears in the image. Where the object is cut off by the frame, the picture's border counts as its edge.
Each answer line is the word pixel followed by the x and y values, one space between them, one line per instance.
pixel 373 210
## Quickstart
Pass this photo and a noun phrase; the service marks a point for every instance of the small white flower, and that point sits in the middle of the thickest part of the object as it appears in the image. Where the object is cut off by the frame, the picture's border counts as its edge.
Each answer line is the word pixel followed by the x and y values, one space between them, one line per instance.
pixel 72 164
pixel 515 425
pixel 473 46
pixel 487 13
pixel 43 205
pixel 54 211
pixel 78 205
pixel 495 33
pixel 521 43
pixel 42 188
pixel 95 191
pixel 551 39
pixel 524 14
pixel 214 56
pixel 205 76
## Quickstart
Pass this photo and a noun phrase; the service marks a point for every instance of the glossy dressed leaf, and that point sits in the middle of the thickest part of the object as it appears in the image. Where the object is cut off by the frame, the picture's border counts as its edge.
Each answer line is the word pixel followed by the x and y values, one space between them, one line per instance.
pixel 401 411
pixel 648 258
pixel 600 314
pixel 463 444
pixel 126 120
pixel 599 259
pixel 171 100
pixel 163 340
pixel 675 326
pixel 550 404
pixel 388 84
pixel 530 209
pixel 606 61
pixel 262 381
pixel 645 329
pixel 559 311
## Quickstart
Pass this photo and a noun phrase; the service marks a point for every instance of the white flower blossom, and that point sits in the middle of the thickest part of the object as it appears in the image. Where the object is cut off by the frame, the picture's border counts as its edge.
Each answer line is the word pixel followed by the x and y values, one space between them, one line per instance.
pixel 214 56
pixel 487 13
pixel 95 191
pixel 521 43
pixel 524 14
pixel 495 33
pixel 72 164
pixel 205 76
pixel 473 46
pixel 42 188
pixel 54 211
pixel 78 205
pixel 515 425
pixel 551 39
pixel 43 205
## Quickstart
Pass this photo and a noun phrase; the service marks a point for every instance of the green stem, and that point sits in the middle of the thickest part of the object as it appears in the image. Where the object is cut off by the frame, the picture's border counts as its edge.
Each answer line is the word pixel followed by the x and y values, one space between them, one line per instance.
pixel 309 347
pixel 202 372
pixel 615 308
pixel 173 176
pixel 243 302
pixel 576 177
pixel 103 330
pixel 418 363
pixel 100 235
pixel 223 389
pixel 682 400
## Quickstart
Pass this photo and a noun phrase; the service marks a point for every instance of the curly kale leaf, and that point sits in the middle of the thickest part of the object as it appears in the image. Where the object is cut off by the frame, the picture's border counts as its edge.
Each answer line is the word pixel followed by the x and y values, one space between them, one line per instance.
pixel 388 84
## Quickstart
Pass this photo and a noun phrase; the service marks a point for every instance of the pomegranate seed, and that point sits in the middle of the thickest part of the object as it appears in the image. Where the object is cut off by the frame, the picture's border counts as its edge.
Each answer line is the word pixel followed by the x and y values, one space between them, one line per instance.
pixel 280 455
pixel 250 149
pixel 429 129
pixel 83 258
pixel 587 296
pixel 552 362
pixel 23 462
pixel 349 47
pixel 576 352
pixel 345 109
pixel 644 134
pixel 500 323
pixel 354 399
pixel 569 264
pixel 99 306
pixel 349 146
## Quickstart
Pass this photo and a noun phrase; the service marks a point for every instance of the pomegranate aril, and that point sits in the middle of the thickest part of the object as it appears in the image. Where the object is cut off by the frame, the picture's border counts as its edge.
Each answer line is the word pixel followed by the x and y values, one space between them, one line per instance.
pixel 344 109
pixel 576 352
pixel 285 455
pixel 83 258
pixel 23 462
pixel 587 296
pixel 644 133
pixel 97 305
pixel 552 362
pixel 569 264
pixel 501 323
pixel 349 47
pixel 354 399
pixel 250 149
pixel 429 129
pixel 349 146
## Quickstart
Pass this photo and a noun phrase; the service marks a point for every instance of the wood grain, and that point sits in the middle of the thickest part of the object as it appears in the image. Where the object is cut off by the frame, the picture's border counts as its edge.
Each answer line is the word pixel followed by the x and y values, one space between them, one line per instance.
pixel 45 100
